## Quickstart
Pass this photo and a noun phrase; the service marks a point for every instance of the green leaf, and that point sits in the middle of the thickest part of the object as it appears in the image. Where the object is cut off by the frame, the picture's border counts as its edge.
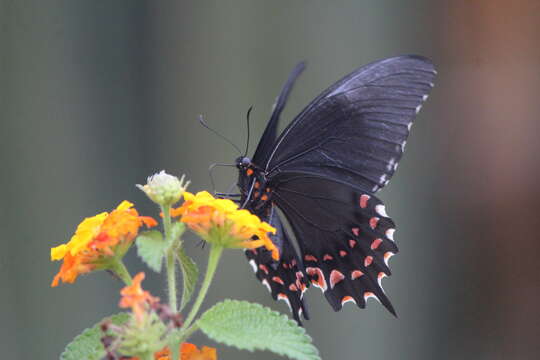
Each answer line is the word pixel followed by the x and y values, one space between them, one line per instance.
pixel 177 230
pixel 190 274
pixel 87 345
pixel 151 249
pixel 251 327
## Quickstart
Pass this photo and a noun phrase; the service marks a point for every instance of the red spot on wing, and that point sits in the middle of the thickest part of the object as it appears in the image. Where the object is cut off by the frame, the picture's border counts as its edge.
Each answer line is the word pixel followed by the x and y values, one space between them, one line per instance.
pixel 335 278
pixel 328 257
pixel 355 231
pixel 278 280
pixel 368 260
pixel 352 243
pixel 342 253
pixel 373 222
pixel 318 279
pixel 369 294
pixel 364 201
pixel 356 274
pixel 263 268
pixel 347 299
pixel 310 258
pixel 375 244
pixel 293 287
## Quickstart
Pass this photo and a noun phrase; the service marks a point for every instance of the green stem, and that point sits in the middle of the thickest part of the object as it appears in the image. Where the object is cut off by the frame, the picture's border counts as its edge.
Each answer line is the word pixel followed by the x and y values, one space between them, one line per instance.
pixel 213 260
pixel 170 260
pixel 121 271
pixel 186 334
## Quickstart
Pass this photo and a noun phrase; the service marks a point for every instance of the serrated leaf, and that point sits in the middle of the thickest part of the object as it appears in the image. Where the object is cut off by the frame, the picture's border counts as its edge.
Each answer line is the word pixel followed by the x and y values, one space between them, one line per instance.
pixel 151 249
pixel 87 345
pixel 190 274
pixel 250 326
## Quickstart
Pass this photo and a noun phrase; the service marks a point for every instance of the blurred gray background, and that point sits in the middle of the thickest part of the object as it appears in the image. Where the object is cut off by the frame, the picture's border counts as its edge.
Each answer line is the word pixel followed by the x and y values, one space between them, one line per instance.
pixel 97 95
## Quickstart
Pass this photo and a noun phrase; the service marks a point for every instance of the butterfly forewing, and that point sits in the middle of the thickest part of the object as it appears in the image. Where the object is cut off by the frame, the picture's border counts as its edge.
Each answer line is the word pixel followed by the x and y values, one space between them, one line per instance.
pixel 357 129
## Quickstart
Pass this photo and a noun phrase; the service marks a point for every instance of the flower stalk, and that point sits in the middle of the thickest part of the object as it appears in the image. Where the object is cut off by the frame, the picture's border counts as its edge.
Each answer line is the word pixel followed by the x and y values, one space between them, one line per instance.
pixel 120 270
pixel 213 261
pixel 170 262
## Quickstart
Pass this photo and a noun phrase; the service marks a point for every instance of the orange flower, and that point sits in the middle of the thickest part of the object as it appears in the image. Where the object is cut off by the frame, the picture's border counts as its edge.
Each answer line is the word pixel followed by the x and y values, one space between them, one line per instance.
pixel 187 352
pixel 190 352
pixel 221 222
pixel 96 240
pixel 135 297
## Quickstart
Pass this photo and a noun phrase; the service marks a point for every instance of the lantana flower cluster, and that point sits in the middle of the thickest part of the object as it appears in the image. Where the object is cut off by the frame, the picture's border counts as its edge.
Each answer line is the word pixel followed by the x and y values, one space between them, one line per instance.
pixel 97 241
pixel 222 222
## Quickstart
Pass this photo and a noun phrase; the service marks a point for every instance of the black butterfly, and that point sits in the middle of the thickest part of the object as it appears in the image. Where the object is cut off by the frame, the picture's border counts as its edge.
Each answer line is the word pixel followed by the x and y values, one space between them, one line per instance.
pixel 322 173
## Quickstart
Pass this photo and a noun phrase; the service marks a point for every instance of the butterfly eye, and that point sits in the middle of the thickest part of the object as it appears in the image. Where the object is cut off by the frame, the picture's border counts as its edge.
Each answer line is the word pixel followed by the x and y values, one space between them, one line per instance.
pixel 246 161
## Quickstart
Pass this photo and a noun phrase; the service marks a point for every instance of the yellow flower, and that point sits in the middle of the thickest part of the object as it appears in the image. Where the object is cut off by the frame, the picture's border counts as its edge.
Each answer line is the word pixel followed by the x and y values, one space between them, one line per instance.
pixel 220 221
pixel 96 240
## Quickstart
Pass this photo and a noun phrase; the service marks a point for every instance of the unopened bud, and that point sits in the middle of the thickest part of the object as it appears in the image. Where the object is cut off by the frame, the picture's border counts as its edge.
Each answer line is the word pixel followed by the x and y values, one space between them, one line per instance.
pixel 164 189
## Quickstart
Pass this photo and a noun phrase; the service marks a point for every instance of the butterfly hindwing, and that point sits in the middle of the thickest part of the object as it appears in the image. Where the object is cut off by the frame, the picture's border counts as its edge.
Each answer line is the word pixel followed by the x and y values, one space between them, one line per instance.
pixel 344 234
pixel 285 279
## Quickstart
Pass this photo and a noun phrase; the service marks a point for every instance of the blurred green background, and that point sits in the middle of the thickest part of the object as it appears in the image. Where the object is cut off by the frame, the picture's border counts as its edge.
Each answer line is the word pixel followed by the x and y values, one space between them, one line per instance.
pixel 97 95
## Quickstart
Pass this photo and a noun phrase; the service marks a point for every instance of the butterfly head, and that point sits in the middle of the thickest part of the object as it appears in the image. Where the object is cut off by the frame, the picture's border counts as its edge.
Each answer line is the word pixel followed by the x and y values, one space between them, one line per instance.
pixel 243 162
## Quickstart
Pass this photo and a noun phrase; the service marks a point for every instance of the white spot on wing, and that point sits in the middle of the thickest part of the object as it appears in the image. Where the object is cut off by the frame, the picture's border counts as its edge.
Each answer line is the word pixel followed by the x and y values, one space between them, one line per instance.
pixel 391 163
pixel 390 233
pixel 286 299
pixel 350 299
pixel 381 210
pixel 403 146
pixel 424 98
pixel 253 265
pixel 418 108
pixel 387 257
pixel 409 126
pixel 265 283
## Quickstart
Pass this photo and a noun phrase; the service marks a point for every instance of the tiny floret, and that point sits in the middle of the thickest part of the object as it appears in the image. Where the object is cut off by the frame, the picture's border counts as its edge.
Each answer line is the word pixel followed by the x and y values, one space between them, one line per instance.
pixel 164 189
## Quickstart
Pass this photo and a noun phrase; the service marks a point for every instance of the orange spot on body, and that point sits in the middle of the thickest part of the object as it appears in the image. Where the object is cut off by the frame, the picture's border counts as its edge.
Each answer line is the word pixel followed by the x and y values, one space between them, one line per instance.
pixel 293 287
pixel 264 197
pixel 375 244
pixel 257 185
pixel 249 172
pixel 278 280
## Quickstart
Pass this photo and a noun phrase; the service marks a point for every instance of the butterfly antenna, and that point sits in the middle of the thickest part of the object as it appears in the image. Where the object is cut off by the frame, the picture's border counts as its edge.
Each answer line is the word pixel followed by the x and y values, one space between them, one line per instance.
pixel 248 132
pixel 204 124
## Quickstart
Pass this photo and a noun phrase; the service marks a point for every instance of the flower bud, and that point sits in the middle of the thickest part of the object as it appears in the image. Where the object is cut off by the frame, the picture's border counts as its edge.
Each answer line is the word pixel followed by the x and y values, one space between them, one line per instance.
pixel 164 189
